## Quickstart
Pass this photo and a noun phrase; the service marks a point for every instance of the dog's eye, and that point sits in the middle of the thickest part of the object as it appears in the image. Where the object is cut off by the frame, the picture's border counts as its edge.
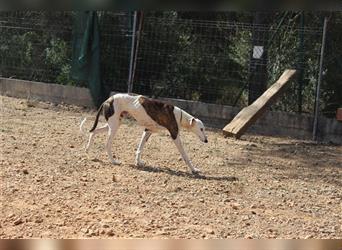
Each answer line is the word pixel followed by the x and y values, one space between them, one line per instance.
pixel 201 129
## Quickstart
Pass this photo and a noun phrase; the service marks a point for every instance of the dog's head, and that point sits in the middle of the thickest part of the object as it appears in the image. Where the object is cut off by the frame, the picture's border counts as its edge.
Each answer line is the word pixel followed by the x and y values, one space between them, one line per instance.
pixel 197 127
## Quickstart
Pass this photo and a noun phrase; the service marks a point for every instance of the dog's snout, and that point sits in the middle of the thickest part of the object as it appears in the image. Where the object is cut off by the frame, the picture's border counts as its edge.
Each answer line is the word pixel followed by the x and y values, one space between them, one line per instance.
pixel 206 140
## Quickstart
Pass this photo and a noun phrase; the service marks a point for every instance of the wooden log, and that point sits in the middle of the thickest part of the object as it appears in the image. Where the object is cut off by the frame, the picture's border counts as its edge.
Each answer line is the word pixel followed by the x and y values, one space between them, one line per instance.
pixel 339 114
pixel 248 115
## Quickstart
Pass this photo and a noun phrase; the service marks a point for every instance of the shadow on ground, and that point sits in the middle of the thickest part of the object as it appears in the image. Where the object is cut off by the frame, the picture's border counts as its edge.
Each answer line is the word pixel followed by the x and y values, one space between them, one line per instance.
pixel 166 170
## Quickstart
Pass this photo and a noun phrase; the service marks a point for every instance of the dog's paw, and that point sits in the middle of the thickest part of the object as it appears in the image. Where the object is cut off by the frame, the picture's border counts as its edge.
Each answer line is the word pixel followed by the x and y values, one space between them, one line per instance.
pixel 116 162
pixel 139 163
pixel 195 170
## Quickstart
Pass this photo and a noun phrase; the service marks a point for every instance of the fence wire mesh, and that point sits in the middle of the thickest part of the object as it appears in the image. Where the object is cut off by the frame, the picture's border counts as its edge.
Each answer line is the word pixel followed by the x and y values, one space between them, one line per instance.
pixel 216 57
pixel 116 34
pixel 214 60
pixel 331 88
pixel 36 46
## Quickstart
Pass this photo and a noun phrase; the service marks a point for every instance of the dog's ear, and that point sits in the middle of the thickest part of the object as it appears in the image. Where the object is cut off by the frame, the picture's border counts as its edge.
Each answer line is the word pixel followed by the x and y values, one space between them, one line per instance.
pixel 192 122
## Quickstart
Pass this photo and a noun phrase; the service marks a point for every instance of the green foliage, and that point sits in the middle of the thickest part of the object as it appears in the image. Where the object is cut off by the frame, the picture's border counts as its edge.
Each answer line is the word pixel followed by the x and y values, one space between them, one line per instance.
pixel 56 58
pixel 332 80
pixel 29 50
pixel 64 76
pixel 56 53
pixel 20 49
pixel 197 61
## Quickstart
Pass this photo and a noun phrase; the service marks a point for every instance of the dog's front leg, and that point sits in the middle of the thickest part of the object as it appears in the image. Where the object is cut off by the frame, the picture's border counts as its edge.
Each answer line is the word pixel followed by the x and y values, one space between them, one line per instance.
pixel 143 140
pixel 185 157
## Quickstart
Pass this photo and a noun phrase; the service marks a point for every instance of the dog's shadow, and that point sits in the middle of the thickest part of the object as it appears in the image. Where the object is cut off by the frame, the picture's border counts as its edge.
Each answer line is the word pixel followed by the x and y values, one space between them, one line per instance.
pixel 166 170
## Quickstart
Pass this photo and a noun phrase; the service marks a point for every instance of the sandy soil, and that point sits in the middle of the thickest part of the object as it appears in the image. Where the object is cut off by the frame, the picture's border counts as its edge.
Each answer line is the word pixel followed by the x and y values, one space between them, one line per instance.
pixel 257 187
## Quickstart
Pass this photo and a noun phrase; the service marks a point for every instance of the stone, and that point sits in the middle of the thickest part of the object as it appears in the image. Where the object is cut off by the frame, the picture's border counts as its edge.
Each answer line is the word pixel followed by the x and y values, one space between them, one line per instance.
pixel 18 221
pixel 110 232
pixel 235 206
pixel 38 220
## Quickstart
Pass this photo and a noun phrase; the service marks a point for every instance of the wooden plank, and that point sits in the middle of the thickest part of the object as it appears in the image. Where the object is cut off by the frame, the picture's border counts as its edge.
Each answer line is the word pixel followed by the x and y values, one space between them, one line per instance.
pixel 248 115
pixel 339 114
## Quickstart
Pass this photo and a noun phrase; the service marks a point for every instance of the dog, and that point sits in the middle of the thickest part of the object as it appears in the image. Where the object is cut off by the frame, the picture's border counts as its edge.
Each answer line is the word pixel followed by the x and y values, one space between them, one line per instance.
pixel 152 114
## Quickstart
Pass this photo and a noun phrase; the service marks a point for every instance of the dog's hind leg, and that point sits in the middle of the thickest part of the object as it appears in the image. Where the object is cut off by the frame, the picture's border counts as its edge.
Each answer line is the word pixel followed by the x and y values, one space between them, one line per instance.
pixel 143 140
pixel 113 124
pixel 180 148
pixel 96 131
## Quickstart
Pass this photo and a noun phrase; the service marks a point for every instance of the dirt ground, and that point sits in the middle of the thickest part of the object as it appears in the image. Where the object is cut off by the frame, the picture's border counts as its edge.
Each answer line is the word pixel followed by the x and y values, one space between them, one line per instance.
pixel 257 187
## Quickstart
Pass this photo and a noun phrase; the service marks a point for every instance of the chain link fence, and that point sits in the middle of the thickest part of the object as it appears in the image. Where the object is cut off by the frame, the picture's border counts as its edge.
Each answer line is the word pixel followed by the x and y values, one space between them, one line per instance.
pixel 217 60
pixel 211 57
pixel 331 88
pixel 36 46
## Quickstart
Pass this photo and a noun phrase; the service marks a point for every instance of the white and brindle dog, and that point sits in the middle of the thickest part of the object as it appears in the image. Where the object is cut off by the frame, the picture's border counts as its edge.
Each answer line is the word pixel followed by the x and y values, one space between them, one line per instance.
pixel 151 114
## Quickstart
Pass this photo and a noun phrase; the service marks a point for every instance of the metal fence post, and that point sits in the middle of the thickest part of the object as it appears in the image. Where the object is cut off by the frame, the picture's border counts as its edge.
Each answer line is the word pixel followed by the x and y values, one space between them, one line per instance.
pixel 130 73
pixel 318 87
pixel 138 36
pixel 300 63
pixel 258 57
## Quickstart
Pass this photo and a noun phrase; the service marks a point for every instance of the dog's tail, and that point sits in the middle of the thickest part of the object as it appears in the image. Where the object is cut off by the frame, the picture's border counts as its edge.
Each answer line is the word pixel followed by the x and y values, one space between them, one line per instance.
pixel 81 125
pixel 97 118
